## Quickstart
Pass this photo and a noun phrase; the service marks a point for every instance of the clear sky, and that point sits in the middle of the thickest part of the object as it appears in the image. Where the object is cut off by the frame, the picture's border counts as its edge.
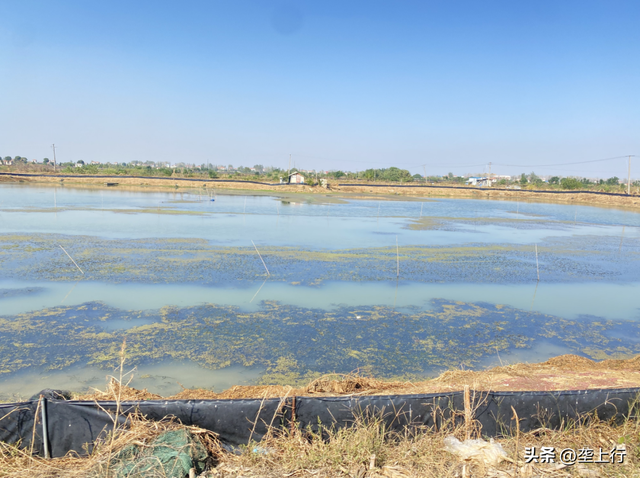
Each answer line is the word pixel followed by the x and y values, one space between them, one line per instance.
pixel 337 84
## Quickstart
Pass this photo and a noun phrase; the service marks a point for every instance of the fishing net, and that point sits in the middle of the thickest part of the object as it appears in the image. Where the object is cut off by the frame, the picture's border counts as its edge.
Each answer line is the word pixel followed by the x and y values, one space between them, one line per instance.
pixel 171 455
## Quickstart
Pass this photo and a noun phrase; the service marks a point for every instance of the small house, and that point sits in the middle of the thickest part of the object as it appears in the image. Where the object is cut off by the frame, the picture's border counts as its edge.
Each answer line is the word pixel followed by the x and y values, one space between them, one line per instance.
pixel 296 178
pixel 480 182
pixel 473 180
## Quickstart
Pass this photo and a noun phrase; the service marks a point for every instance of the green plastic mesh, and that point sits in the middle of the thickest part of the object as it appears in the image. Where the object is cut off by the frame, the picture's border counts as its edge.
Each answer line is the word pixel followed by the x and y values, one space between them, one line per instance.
pixel 171 455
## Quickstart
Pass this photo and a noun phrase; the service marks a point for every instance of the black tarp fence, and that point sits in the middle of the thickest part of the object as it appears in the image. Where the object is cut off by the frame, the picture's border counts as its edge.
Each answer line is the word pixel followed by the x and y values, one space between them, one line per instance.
pixel 73 426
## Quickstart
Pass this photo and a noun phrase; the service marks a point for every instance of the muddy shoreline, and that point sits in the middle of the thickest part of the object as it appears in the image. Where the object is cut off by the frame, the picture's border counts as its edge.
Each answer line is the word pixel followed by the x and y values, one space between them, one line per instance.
pixel 564 372
pixel 364 191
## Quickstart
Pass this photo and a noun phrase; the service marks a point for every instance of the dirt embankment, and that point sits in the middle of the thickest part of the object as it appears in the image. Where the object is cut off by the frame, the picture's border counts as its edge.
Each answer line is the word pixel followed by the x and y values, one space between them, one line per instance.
pixel 150 182
pixel 362 191
pixel 565 372
pixel 587 198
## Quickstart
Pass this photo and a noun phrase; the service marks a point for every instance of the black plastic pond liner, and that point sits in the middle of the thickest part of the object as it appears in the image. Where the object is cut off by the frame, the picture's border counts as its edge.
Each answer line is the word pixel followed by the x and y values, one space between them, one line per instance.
pixel 75 425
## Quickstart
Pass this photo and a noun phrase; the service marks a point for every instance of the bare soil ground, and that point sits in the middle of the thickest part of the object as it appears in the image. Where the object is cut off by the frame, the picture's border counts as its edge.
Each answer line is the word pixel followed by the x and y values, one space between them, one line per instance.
pixel 565 372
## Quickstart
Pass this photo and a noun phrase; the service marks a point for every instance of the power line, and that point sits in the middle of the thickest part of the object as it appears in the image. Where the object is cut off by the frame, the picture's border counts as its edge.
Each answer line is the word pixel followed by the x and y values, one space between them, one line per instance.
pixel 563 164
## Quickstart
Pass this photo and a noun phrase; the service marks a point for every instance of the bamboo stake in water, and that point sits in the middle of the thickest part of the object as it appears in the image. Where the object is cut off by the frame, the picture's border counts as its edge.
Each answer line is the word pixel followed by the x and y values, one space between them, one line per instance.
pixel 265 266
pixel 421 204
pixel 534 296
pixel 72 259
pixel 537 267
pixel 621 237
pixel 397 259
pixel 258 291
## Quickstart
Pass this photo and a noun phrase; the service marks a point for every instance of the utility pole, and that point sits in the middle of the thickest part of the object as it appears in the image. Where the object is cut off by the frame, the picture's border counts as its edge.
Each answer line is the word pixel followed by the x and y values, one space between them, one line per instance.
pixel 489 169
pixel 424 166
pixel 54 157
pixel 629 178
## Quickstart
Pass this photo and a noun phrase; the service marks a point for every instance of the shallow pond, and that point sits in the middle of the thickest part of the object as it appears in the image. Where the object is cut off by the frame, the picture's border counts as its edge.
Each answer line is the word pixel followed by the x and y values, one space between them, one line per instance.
pixel 389 287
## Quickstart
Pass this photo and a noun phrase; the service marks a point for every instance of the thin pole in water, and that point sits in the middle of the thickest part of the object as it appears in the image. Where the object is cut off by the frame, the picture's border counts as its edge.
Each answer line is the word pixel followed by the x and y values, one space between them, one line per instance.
pixel 395 297
pixel 254 295
pixel 534 296
pixel 421 205
pixel 70 291
pixel 245 205
pixel 537 266
pixel 397 259
pixel 621 237
pixel 265 266
pixel 72 259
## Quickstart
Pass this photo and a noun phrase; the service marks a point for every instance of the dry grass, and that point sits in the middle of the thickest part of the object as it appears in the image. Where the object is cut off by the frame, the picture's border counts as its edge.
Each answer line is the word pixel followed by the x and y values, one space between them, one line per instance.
pixel 565 372
pixel 367 448
pixel 15 462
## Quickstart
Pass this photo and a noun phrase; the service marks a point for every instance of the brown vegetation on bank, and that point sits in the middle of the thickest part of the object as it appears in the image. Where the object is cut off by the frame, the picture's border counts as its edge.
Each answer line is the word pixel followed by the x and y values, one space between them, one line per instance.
pixel 565 372
pixel 362 190
pixel 368 449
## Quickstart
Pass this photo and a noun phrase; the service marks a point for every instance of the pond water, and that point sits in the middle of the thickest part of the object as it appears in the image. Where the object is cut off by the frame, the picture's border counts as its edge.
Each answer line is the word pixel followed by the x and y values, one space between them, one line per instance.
pixel 390 287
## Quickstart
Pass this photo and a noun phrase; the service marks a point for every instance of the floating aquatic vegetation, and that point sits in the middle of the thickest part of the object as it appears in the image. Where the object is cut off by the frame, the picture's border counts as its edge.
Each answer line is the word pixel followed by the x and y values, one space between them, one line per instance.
pixel 463 223
pixel 294 343
pixel 38 257
pixel 6 293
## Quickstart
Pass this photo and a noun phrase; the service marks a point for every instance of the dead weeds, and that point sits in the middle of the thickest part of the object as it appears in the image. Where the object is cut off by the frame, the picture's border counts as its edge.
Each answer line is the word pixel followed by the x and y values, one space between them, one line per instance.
pixel 565 372
pixel 368 448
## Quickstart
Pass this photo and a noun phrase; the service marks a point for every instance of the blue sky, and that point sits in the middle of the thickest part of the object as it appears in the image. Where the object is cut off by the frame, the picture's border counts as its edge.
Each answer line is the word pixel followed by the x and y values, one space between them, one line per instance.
pixel 337 84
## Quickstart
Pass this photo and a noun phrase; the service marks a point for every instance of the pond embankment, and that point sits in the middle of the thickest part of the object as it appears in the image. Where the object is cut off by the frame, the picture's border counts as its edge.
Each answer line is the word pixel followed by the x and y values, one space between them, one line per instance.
pixel 564 372
pixel 361 190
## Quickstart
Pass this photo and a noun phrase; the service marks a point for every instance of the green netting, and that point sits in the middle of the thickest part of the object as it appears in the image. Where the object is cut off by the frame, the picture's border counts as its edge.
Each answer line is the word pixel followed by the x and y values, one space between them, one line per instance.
pixel 171 455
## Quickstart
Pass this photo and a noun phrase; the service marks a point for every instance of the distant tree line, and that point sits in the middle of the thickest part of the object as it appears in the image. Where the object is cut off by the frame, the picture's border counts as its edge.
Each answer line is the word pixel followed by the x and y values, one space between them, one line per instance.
pixel 272 174
pixel 533 181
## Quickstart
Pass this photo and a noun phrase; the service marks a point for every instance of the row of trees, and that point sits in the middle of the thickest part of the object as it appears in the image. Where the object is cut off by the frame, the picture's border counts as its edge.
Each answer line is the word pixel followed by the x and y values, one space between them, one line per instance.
pixel 392 174
pixel 533 181
pixel 20 160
